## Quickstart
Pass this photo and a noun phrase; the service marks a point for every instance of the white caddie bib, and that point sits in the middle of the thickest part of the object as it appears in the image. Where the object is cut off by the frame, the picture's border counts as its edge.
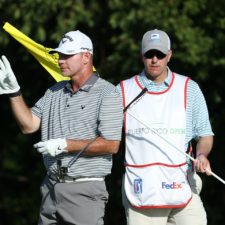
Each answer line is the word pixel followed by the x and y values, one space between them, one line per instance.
pixel 156 172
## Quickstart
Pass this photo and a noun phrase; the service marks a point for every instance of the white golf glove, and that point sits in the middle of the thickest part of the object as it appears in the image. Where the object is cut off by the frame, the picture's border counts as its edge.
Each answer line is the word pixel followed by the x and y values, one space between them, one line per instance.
pixel 52 146
pixel 8 82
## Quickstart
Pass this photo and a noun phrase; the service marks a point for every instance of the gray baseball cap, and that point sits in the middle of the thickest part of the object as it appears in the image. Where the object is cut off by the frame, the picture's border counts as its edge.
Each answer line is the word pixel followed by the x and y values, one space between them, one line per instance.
pixel 157 40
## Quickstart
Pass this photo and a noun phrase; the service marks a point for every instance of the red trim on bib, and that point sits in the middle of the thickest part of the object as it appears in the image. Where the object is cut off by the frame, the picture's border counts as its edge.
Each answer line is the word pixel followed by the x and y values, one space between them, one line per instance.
pixel 161 206
pixel 156 93
pixel 185 92
pixel 155 164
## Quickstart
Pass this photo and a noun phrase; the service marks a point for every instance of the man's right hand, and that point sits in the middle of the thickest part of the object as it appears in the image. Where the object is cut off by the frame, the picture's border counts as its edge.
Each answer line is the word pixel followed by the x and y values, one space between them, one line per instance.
pixel 8 82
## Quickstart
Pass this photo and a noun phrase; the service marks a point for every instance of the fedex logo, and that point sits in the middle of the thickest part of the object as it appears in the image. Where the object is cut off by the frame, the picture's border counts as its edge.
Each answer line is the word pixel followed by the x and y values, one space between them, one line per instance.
pixel 174 185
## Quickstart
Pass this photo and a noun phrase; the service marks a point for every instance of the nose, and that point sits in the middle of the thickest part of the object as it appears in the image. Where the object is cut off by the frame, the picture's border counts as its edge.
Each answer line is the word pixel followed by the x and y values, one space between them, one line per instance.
pixel 60 60
pixel 154 58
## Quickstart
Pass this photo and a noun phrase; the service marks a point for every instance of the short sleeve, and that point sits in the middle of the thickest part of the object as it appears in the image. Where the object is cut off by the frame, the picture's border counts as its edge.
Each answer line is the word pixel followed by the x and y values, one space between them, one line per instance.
pixel 111 115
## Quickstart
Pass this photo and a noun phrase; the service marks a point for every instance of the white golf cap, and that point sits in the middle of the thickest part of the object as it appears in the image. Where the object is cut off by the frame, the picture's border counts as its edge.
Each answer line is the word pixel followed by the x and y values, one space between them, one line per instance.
pixel 74 42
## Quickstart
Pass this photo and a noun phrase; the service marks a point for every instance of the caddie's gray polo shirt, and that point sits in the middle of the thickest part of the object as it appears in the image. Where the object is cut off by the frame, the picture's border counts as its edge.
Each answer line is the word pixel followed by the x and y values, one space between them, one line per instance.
pixel 94 110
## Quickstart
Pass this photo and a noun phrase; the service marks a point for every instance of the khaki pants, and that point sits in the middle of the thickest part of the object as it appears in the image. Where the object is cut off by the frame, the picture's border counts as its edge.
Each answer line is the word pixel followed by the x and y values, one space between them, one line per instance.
pixel 193 213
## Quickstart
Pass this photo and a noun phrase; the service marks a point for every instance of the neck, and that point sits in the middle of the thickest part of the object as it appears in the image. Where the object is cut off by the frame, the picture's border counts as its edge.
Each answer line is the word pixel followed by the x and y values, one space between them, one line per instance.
pixel 79 80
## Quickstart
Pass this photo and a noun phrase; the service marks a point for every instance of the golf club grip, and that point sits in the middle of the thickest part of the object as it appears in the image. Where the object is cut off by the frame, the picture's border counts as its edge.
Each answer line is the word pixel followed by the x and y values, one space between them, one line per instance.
pixel 135 99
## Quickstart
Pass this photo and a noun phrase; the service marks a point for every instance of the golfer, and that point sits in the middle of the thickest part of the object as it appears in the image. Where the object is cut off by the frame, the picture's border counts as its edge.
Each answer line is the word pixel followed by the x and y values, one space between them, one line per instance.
pixel 80 122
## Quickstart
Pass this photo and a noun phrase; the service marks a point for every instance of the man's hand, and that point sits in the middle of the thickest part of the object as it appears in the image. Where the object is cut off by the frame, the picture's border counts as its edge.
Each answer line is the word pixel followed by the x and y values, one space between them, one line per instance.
pixel 52 146
pixel 8 82
pixel 202 164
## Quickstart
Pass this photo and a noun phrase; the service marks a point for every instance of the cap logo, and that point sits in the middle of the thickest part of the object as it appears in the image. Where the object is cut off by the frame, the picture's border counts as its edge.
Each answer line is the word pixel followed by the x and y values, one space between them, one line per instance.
pixel 66 38
pixel 87 49
pixel 155 37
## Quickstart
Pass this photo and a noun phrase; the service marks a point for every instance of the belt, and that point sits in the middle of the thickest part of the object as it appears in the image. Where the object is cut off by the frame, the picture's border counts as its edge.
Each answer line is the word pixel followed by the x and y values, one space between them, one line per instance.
pixel 69 179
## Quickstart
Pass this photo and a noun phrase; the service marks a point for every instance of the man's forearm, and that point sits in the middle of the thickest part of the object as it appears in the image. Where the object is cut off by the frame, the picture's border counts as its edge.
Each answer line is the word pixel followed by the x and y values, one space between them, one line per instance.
pixel 204 146
pixel 96 146
pixel 27 122
pixel 203 149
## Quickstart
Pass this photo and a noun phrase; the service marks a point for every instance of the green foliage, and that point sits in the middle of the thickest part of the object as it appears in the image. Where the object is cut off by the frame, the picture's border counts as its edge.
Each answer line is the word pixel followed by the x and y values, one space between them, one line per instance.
pixel 197 31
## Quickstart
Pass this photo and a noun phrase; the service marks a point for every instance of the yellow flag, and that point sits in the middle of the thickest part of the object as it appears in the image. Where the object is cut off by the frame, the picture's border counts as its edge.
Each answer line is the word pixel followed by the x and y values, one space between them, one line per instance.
pixel 40 52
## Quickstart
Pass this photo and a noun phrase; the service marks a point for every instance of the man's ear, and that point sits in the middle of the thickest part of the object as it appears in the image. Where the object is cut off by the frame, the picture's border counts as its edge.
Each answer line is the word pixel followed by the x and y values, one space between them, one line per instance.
pixel 86 57
pixel 169 55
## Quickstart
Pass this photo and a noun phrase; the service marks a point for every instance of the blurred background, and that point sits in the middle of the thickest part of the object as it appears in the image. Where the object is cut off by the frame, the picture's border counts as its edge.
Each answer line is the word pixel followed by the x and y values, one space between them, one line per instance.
pixel 116 27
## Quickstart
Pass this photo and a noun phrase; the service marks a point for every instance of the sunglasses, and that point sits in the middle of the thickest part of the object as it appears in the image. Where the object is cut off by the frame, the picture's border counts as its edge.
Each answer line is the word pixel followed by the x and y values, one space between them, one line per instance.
pixel 150 54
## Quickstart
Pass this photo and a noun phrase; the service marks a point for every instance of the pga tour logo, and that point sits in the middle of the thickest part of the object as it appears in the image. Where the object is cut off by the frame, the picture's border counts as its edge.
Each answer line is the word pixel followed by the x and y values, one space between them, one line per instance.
pixel 137 186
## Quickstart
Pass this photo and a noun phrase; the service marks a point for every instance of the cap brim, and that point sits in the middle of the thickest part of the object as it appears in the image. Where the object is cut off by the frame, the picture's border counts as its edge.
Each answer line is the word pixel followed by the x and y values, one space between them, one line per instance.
pixel 52 51
pixel 58 50
pixel 158 48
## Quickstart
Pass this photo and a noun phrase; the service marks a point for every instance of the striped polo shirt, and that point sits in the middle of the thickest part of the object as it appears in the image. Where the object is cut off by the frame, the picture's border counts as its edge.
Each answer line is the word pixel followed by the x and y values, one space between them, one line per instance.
pixel 94 110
